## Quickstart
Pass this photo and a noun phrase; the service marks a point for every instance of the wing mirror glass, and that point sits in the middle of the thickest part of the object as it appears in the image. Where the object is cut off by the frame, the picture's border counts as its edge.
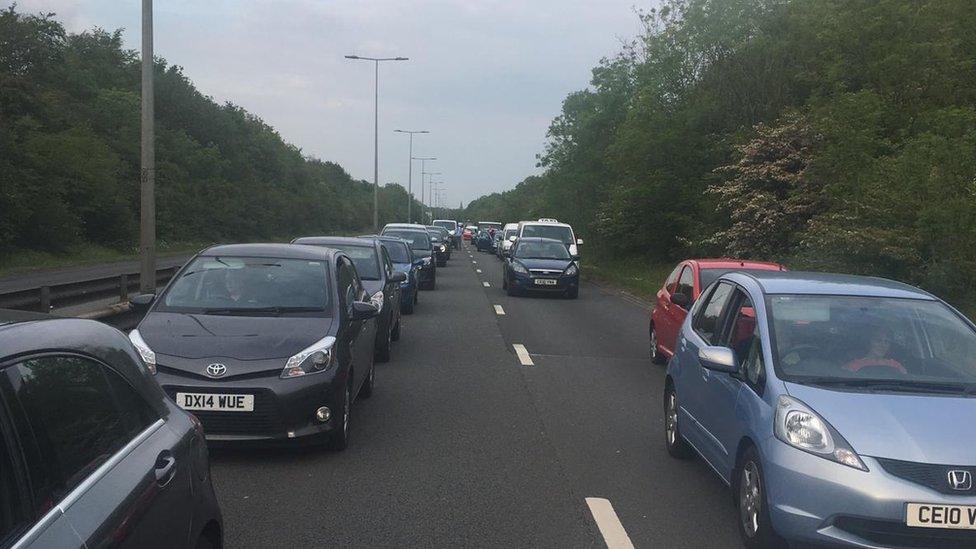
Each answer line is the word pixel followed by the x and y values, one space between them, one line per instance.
pixel 142 302
pixel 720 359
pixel 579 241
pixel 512 238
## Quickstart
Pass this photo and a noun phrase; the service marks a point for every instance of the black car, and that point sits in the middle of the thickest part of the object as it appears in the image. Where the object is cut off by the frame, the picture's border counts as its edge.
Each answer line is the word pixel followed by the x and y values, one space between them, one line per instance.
pixel 92 453
pixel 441 239
pixel 264 342
pixel 543 265
pixel 483 240
pixel 422 247
pixel 379 277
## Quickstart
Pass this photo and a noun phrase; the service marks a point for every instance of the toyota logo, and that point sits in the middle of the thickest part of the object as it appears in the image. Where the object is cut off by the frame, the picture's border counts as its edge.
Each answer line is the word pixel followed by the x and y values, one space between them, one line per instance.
pixel 960 479
pixel 217 370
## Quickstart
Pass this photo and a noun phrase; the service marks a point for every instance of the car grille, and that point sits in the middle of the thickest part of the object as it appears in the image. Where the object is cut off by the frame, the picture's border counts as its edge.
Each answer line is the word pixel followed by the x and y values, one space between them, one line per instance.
pixel 264 420
pixel 898 534
pixel 546 272
pixel 931 476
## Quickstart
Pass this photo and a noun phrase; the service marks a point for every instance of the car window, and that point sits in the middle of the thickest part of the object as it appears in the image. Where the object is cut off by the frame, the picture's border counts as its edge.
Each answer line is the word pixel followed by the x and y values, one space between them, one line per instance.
pixel 13 515
pixel 364 258
pixel 387 264
pixel 672 281
pixel 744 339
pixel 557 232
pixel 707 321
pixel 347 293
pixel 399 252
pixel 419 240
pixel 686 284
pixel 77 411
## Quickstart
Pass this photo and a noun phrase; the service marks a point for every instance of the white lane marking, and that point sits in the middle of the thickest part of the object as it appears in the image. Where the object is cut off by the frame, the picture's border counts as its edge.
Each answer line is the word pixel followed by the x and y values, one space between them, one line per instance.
pixel 608 523
pixel 499 311
pixel 486 285
pixel 523 355
pixel 478 270
pixel 473 261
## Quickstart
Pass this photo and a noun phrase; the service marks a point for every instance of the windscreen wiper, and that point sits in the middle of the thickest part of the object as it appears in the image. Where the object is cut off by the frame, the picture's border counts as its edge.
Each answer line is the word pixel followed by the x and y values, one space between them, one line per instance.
pixel 893 385
pixel 275 310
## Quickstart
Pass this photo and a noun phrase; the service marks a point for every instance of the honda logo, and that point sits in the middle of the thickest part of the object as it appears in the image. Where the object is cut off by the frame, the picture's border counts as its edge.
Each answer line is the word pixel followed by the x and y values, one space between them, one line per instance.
pixel 216 370
pixel 960 479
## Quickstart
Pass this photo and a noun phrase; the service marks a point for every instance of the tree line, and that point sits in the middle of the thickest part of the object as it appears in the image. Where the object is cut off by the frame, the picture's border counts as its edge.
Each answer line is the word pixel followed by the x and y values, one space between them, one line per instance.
pixel 831 135
pixel 70 164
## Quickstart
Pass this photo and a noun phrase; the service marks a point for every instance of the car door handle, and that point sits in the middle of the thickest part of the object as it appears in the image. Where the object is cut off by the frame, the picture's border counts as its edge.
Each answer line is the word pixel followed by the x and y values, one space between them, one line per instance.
pixel 165 468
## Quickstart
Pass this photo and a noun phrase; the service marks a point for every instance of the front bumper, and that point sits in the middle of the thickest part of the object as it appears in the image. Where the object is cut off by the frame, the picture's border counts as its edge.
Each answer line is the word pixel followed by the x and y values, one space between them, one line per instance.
pixel 284 409
pixel 528 283
pixel 818 501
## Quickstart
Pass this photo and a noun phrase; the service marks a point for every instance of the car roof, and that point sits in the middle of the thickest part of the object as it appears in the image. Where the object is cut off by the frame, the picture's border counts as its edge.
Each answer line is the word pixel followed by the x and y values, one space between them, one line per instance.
pixel 281 251
pixel 729 263
pixel 448 220
pixel 509 226
pixel 540 239
pixel 417 226
pixel 549 223
pixel 327 240
pixel 814 283
pixel 492 222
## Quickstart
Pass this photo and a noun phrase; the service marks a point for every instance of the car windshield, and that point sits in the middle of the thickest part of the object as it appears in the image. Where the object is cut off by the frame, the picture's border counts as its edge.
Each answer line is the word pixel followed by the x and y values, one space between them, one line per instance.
pixel 418 240
pixel 556 232
pixel 363 257
pixel 510 233
pixel 250 285
pixel 872 342
pixel 541 250
pixel 399 252
pixel 441 232
pixel 449 225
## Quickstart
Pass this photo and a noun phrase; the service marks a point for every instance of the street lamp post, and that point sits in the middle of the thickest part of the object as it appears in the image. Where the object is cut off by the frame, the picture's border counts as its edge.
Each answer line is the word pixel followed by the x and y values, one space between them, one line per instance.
pixel 410 172
pixel 376 131
pixel 147 185
pixel 422 183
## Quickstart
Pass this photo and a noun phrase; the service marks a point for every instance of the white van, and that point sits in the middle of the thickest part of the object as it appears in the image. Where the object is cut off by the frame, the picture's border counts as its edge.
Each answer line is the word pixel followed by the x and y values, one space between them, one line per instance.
pixel 550 228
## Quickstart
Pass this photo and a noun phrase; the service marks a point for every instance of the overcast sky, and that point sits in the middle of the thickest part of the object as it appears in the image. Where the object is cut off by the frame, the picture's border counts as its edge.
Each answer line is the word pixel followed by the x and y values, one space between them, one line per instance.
pixel 484 76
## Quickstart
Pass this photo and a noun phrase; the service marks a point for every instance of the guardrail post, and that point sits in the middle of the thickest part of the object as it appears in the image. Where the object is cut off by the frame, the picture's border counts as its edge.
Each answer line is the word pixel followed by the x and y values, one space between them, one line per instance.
pixel 123 288
pixel 45 299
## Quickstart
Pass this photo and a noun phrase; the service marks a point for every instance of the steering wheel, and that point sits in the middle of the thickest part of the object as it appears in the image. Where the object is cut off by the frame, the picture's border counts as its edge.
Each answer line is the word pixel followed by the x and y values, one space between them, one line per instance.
pixel 803 351
pixel 868 366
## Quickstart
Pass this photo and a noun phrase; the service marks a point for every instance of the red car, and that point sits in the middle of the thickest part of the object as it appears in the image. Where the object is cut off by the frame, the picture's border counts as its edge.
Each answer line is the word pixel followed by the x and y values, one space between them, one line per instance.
pixel 680 290
pixel 467 234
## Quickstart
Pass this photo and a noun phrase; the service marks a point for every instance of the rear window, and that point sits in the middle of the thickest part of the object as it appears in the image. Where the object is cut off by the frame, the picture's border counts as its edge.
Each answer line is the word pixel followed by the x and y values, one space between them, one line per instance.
pixel 364 258
pixel 418 240
pixel 449 225
pixel 556 232
pixel 399 252
pixel 240 285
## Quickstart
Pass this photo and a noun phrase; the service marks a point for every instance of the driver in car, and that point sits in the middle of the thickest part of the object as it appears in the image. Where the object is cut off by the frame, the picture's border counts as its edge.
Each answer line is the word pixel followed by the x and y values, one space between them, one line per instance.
pixel 879 345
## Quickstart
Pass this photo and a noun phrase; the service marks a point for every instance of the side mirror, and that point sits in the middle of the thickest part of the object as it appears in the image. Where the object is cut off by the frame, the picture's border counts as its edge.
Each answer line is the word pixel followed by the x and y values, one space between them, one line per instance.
pixel 579 241
pixel 141 302
pixel 512 238
pixel 720 359
pixel 681 300
pixel 364 311
pixel 398 277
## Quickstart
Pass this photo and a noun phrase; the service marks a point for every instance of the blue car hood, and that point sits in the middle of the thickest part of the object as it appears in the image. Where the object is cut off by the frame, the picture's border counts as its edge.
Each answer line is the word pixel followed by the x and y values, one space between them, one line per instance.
pixel 920 428
pixel 552 264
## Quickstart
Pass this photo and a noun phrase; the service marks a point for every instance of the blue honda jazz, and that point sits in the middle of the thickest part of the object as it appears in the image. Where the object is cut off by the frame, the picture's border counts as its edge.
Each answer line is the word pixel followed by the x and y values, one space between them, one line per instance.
pixel 839 409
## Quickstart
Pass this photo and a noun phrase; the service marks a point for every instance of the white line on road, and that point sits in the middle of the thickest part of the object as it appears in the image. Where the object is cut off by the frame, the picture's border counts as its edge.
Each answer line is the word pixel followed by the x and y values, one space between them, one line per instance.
pixel 473 261
pixel 608 523
pixel 523 356
pixel 478 270
pixel 486 285
pixel 499 311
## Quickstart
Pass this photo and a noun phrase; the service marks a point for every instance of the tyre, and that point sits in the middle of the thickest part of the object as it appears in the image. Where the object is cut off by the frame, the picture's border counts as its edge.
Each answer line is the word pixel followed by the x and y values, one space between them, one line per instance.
pixel 204 543
pixel 383 345
pixel 755 527
pixel 339 440
pixel 511 290
pixel 573 293
pixel 408 308
pixel 395 336
pixel 504 282
pixel 366 390
pixel 655 351
pixel 676 445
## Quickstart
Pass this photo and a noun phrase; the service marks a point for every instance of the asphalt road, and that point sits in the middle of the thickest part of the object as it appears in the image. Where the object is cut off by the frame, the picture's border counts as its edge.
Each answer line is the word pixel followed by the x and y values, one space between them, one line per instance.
pixel 464 446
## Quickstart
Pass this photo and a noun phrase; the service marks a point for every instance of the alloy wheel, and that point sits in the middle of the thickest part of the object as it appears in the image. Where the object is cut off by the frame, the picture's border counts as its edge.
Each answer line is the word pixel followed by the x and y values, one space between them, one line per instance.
pixel 671 425
pixel 654 351
pixel 750 498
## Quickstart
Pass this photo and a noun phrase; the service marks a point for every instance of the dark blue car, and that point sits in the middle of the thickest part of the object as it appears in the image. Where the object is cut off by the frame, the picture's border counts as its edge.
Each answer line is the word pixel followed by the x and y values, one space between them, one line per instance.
pixel 404 262
pixel 543 265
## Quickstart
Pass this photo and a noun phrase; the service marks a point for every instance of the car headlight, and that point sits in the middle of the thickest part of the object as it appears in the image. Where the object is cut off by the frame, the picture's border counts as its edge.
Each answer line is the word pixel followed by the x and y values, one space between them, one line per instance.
pixel 314 359
pixel 519 268
pixel 147 354
pixel 377 300
pixel 571 270
pixel 443 248
pixel 802 428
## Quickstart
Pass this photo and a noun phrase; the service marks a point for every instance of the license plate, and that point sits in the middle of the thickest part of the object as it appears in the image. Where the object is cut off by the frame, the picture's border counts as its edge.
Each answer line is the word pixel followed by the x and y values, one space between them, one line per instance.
pixel 545 281
pixel 934 515
pixel 216 403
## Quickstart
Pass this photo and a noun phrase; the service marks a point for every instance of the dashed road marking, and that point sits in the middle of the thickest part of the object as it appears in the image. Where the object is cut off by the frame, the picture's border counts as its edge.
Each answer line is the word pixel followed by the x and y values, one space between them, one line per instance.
pixel 523 354
pixel 499 311
pixel 606 520
pixel 486 285
pixel 473 261
pixel 478 270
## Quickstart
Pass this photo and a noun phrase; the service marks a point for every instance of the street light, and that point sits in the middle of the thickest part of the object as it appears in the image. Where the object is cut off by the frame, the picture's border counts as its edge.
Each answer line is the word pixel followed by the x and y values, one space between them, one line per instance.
pixel 410 172
pixel 147 184
pixel 422 183
pixel 376 131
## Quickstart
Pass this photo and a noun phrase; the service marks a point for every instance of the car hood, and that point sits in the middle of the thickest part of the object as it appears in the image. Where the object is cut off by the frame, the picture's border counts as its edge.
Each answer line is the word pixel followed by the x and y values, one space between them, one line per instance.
pixel 195 336
pixel 551 264
pixel 919 428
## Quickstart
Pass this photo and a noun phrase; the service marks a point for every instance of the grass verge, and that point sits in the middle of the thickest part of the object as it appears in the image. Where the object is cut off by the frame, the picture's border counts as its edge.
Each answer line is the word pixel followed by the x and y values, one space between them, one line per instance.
pixel 21 261
pixel 639 276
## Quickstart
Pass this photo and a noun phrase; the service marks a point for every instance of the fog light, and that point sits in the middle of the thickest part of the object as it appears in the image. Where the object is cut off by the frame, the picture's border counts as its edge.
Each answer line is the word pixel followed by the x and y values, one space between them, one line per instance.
pixel 323 414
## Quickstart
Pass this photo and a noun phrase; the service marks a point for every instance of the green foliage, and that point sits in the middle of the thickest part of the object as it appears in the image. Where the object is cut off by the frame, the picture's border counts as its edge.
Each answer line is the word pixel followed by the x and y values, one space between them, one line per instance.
pixel 836 134
pixel 70 160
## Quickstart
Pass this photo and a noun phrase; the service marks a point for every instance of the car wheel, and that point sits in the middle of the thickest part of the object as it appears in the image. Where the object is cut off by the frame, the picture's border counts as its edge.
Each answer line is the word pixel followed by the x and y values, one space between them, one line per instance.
pixel 442 263
pixel 366 390
pixel 395 336
pixel 676 445
pixel 204 543
pixel 408 308
pixel 655 351
pixel 755 526
pixel 504 282
pixel 339 440
pixel 573 293
pixel 511 290
pixel 384 344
